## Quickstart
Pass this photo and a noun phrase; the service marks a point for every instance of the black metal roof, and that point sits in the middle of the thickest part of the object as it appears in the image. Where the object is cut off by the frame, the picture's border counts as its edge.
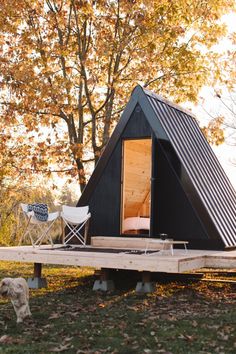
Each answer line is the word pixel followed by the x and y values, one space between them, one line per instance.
pixel 201 165
pixel 172 123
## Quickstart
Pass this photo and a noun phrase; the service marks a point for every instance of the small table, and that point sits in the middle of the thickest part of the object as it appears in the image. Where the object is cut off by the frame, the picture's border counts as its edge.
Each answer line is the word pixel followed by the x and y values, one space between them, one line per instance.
pixel 165 243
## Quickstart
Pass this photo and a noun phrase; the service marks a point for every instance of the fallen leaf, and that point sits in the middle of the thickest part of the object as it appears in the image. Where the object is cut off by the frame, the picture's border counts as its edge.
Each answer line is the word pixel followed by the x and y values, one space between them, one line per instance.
pixel 47 326
pixel 5 339
pixel 61 348
pixel 186 337
pixel 54 315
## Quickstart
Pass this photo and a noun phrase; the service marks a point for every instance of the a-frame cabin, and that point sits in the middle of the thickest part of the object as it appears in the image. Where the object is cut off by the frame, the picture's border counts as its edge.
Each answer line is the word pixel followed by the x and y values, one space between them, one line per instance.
pixel 158 174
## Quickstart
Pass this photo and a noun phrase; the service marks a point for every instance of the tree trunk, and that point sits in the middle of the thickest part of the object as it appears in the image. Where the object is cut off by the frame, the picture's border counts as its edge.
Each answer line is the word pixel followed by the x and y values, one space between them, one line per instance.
pixel 81 174
pixel 74 140
pixel 108 114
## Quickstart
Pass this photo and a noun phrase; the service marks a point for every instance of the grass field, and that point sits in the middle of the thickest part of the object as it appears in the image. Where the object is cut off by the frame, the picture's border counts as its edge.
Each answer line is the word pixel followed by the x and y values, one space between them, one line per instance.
pixel 68 317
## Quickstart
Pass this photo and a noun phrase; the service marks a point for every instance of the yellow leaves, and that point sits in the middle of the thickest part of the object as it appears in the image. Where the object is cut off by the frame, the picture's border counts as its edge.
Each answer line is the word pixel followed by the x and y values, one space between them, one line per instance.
pixel 214 131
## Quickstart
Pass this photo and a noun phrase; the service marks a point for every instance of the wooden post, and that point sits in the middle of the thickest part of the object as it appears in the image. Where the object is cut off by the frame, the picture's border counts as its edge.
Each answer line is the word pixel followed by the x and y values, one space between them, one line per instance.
pixel 37 270
pixel 146 277
pixel 104 274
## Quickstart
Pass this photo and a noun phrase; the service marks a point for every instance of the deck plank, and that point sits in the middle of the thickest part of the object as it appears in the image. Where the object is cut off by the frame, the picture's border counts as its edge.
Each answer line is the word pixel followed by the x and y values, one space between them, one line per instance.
pixel 155 262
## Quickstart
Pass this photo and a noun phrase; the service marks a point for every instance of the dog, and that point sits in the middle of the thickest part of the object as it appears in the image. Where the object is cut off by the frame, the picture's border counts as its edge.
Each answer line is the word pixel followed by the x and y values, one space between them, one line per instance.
pixel 17 290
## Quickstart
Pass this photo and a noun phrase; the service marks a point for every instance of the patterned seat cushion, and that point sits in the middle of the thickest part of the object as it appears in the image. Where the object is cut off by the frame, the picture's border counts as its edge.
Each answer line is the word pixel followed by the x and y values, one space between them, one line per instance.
pixel 40 211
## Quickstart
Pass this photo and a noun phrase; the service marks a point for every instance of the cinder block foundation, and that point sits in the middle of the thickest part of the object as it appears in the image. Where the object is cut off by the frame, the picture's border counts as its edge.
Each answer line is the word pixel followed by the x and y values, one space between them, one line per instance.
pixel 144 287
pixel 37 283
pixel 104 285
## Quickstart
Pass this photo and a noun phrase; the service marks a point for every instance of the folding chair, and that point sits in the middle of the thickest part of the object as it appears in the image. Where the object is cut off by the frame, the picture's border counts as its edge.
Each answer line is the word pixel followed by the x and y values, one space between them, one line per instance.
pixel 37 230
pixel 75 218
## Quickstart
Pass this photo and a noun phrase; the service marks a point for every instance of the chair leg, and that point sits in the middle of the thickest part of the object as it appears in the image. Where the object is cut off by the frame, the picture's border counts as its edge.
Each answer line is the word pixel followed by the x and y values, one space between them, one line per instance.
pixel 74 232
pixel 62 231
pixel 77 235
pixel 24 233
pixel 46 235
pixel 86 228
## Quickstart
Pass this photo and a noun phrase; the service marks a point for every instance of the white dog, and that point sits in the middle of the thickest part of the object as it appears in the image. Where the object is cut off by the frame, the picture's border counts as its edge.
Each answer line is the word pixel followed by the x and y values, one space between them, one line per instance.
pixel 18 292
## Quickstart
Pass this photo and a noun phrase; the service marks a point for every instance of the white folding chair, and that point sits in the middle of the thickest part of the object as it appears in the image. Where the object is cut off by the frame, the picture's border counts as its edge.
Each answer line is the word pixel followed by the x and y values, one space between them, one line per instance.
pixel 75 218
pixel 37 230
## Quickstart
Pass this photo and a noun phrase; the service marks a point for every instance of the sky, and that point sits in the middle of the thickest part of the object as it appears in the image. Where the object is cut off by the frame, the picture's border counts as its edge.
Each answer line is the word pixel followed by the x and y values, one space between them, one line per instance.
pixel 212 105
pixel 223 153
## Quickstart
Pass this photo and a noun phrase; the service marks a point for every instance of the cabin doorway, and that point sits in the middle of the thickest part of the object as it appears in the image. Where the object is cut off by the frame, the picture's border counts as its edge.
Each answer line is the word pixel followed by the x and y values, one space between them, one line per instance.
pixel 136 186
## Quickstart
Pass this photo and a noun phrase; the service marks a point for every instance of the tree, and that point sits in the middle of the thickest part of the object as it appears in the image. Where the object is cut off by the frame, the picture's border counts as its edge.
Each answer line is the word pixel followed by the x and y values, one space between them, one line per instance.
pixel 222 113
pixel 221 127
pixel 68 66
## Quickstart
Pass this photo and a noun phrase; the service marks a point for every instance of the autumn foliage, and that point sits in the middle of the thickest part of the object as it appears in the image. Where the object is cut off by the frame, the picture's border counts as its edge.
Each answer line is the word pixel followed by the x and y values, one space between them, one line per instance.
pixel 68 67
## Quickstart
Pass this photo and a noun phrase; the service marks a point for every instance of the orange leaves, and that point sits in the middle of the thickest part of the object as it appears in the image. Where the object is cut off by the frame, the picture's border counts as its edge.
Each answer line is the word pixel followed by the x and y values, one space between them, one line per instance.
pixel 81 59
pixel 34 162
pixel 214 131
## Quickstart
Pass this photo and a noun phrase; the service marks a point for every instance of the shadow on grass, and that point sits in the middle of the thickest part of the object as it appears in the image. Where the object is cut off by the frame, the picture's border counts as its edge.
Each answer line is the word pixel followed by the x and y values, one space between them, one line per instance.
pixel 178 317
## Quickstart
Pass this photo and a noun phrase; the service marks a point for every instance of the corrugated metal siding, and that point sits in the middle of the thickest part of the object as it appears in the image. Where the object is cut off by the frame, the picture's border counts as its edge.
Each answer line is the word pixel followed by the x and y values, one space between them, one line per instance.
pixel 202 167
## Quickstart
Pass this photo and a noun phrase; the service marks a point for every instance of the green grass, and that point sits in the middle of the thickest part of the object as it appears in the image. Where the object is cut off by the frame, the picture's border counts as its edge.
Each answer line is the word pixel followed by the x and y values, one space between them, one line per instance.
pixel 68 317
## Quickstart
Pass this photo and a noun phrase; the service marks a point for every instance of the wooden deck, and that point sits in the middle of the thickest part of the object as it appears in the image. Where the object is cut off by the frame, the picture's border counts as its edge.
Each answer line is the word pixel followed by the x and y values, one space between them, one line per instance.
pixel 120 259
